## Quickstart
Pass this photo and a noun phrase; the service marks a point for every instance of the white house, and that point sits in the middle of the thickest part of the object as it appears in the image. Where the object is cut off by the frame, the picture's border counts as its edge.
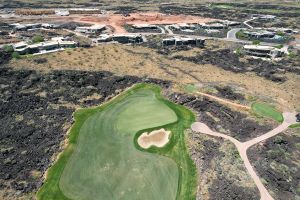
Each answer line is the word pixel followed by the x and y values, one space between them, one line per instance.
pixel 263 51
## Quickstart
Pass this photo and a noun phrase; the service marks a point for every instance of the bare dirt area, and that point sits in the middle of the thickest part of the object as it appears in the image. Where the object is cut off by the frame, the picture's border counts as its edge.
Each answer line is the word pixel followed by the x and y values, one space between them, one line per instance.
pixel 277 163
pixel 158 138
pixel 144 62
pixel 117 21
pixel 226 59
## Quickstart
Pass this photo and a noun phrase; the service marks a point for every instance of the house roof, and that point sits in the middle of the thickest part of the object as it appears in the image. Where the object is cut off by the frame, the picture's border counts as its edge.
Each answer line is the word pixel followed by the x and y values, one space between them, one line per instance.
pixel 20 44
pixel 259 32
pixel 259 47
pixel 144 25
pixel 94 27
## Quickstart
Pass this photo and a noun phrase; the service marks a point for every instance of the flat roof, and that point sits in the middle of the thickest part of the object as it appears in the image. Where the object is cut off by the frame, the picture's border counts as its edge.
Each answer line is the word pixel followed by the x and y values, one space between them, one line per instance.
pixel 144 25
pixel 91 27
pixel 258 47
pixel 20 44
pixel 126 35
pixel 84 9
pixel 43 44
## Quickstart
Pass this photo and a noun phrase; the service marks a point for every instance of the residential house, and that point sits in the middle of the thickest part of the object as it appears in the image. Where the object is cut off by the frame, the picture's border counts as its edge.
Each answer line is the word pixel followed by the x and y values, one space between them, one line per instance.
pixel 263 51
pixel 120 38
pixel 90 29
pixel 213 26
pixel 259 34
pixel 44 47
pixel 145 26
pixel 178 41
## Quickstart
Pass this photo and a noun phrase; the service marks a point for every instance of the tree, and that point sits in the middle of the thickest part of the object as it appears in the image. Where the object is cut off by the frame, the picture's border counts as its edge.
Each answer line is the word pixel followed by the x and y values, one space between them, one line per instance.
pixel 16 55
pixel 37 39
pixel 8 48
pixel 280 33
pixel 256 42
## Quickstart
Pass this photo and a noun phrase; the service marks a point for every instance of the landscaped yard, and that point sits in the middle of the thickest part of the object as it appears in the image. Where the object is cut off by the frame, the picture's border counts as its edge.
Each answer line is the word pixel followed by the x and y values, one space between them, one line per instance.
pixel 266 110
pixel 104 161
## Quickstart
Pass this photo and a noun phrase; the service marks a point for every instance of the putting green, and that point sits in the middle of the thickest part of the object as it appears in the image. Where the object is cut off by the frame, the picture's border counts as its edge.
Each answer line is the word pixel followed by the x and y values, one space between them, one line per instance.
pixel 102 160
pixel 267 111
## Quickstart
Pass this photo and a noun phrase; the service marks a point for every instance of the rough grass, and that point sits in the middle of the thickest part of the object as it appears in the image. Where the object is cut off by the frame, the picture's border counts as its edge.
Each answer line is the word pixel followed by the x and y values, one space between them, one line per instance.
pixel 75 173
pixel 266 110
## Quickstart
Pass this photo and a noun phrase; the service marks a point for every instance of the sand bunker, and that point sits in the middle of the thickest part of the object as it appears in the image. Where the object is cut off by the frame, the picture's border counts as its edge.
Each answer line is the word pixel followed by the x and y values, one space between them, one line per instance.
pixel 158 138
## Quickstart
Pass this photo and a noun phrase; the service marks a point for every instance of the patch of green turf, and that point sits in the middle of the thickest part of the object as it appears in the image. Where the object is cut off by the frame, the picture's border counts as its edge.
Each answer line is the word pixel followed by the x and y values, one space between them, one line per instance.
pixel 103 160
pixel 295 125
pixel 266 110
pixel 190 88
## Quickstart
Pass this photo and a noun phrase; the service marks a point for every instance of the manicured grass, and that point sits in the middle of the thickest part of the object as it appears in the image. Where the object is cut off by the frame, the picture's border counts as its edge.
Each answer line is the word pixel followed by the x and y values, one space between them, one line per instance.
pixel 103 161
pixel 266 110
pixel 295 125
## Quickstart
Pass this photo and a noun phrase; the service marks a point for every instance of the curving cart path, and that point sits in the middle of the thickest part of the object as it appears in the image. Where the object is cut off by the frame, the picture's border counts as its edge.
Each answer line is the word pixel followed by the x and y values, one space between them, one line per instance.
pixel 242 147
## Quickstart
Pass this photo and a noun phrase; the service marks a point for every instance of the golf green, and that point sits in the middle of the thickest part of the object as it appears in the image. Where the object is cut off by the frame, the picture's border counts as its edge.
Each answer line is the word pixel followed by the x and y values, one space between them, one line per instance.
pixel 267 111
pixel 103 162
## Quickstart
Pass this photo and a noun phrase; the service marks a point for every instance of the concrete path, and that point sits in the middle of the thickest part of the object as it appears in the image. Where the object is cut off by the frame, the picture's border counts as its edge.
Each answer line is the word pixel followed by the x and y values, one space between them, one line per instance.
pixel 231 34
pixel 242 147
pixel 170 32
pixel 163 31
pixel 246 23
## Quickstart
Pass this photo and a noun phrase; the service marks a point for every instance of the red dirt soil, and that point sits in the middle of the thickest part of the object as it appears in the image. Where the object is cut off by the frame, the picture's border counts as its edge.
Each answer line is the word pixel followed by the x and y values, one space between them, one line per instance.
pixel 117 21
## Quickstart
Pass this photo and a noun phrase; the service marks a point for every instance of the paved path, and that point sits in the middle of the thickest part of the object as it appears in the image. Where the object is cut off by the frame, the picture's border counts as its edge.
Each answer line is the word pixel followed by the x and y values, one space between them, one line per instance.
pixel 231 34
pixel 289 118
pixel 246 23
pixel 170 32
pixel 163 31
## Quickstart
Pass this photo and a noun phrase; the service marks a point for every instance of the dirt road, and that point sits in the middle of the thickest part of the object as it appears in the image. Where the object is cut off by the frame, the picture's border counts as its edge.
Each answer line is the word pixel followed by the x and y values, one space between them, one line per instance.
pixel 224 101
pixel 242 147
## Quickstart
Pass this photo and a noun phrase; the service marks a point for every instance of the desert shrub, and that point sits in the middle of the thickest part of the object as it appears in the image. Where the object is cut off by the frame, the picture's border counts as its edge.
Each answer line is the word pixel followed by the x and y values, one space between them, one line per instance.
pixel 280 33
pixel 277 153
pixel 37 39
pixel 256 42
pixel 240 34
pixel 40 60
pixel 8 48
pixel 16 55
pixel 279 140
pixel 239 52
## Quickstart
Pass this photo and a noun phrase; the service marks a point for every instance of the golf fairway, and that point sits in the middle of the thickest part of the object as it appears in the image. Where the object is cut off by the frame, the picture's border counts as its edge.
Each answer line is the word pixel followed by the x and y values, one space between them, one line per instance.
pixel 105 163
